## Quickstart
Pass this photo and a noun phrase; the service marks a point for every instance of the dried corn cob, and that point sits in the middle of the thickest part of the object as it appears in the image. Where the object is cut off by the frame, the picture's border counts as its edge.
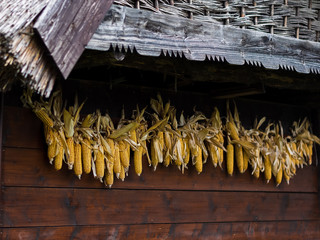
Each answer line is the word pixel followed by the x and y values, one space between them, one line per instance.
pixel 86 155
pixel 70 157
pixel 213 154
pixel 256 172
pixel 59 157
pixel 239 157
pixel 230 159
pixel 232 131
pixel 267 168
pixel 186 152
pixel 77 168
pixel 279 176
pixel 122 173
pixel 108 180
pixel 198 160
pixel 53 147
pixel 44 117
pixel 99 163
pixel 124 147
pixel 117 162
pixel 137 158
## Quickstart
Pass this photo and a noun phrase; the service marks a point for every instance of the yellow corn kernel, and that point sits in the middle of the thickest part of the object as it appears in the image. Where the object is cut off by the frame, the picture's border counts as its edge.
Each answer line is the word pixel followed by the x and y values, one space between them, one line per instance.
pixel 166 158
pixel 245 161
pixel 256 172
pixel 49 135
pixel 44 117
pixel 59 158
pixel 122 173
pixel 154 156
pixel 133 136
pixel 53 148
pixel 239 157
pixel 232 131
pixel 100 164
pixel 108 180
pixel 213 154
pixel 70 157
pixel 178 152
pixel 310 147
pixel 286 176
pixel 77 167
pixel 198 160
pixel 117 162
pixel 220 157
pixel 279 176
pixel 267 168
pixel 161 140
pixel 220 154
pixel 124 158
pixel 86 155
pixel 230 158
pixel 137 160
pixel 111 144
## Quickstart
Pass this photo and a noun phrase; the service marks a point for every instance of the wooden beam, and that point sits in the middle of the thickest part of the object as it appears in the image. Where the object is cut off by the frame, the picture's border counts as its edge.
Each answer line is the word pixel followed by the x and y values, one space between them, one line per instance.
pixel 152 34
pixel 66 27
pixel 193 71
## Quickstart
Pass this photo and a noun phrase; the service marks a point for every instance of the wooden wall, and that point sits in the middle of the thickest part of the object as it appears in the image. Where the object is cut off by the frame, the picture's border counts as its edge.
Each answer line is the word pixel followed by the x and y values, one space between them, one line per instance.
pixel 38 202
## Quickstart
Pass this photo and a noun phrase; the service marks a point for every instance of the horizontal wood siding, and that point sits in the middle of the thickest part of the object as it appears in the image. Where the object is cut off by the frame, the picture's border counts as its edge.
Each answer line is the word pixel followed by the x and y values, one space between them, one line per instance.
pixel 41 203
pixel 290 230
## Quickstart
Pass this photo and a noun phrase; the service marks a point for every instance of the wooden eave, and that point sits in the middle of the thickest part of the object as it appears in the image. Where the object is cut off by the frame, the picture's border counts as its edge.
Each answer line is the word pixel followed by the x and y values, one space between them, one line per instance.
pixel 152 34
pixel 41 40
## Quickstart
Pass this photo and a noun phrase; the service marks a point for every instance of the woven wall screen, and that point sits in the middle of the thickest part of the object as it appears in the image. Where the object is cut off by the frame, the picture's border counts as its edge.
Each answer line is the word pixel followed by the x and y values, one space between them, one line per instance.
pixel 292 18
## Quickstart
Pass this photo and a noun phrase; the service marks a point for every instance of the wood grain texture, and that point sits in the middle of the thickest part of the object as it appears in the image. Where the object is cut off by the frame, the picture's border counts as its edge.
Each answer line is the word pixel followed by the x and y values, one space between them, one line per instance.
pixel 66 27
pixel 23 207
pixel 33 165
pixel 152 34
pixel 293 230
pixel 22 128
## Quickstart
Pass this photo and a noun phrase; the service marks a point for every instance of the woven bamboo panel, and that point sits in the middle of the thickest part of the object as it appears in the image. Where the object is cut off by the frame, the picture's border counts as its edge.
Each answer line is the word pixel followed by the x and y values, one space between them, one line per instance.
pixel 291 18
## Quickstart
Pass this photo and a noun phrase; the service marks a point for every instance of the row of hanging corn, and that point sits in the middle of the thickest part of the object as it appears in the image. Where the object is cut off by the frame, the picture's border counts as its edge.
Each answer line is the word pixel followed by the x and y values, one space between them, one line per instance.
pixel 94 145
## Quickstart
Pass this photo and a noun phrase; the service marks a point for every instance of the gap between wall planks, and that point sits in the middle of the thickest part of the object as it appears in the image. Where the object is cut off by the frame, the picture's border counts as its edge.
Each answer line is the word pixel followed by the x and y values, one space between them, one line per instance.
pixel 292 230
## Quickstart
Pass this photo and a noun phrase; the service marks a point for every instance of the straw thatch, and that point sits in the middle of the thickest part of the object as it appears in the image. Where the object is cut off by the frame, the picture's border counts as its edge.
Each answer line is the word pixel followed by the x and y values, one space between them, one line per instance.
pixel 21 55
pixel 291 18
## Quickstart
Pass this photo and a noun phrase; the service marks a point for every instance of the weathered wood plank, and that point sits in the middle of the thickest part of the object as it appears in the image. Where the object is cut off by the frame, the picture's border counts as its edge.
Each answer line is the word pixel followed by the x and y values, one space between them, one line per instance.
pixel 33 165
pixel 24 207
pixel 22 128
pixel 152 34
pixel 292 230
pixel 66 27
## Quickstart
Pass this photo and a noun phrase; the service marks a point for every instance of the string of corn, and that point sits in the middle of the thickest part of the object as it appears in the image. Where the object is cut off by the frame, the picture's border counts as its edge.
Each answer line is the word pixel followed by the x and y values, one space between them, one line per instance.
pixel 95 145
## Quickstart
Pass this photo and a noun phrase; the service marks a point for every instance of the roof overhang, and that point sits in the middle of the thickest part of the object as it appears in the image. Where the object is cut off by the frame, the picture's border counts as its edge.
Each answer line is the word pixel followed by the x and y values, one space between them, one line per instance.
pixel 153 34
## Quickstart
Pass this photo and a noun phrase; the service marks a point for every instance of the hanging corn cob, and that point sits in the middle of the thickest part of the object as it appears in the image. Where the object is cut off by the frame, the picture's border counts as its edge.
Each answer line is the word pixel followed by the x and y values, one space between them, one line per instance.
pixel 105 151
